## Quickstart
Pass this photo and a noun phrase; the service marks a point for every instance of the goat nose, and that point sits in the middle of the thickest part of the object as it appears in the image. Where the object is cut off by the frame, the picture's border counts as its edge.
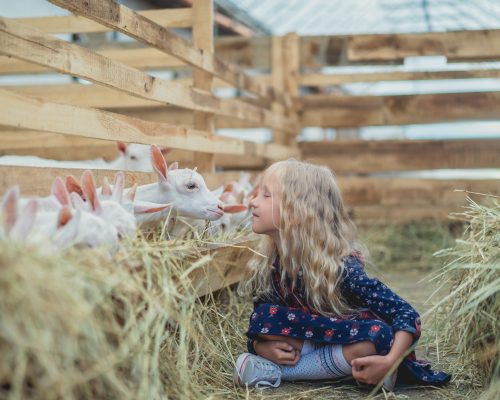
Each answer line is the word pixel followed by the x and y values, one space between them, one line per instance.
pixel 220 206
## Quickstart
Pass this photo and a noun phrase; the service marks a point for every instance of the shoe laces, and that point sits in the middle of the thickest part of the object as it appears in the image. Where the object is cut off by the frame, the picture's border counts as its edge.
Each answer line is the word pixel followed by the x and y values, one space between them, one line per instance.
pixel 267 372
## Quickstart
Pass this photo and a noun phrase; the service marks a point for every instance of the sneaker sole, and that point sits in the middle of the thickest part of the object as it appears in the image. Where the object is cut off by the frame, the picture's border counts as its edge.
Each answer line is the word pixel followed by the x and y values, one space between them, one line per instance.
pixel 240 364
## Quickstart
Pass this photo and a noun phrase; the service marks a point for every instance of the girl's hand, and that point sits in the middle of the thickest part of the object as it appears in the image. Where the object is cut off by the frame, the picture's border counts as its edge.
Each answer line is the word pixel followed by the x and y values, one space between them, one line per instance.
pixel 278 352
pixel 371 369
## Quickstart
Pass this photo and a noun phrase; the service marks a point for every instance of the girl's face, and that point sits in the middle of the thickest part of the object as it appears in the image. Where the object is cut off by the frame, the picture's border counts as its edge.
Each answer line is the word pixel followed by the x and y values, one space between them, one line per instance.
pixel 266 207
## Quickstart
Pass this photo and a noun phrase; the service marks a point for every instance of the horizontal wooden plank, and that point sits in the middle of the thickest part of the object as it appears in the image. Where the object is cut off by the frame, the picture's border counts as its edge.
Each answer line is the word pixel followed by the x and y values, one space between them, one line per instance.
pixel 37 181
pixel 352 111
pixel 480 44
pixel 23 42
pixel 65 147
pixel 125 20
pixel 137 58
pixel 400 214
pixel 168 18
pixel 30 113
pixel 318 51
pixel 343 78
pixel 371 156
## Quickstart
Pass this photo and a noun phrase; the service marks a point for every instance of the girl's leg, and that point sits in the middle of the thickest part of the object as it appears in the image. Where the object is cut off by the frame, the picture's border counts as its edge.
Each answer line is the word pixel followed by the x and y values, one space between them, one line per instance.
pixel 327 362
pixel 357 350
pixel 295 343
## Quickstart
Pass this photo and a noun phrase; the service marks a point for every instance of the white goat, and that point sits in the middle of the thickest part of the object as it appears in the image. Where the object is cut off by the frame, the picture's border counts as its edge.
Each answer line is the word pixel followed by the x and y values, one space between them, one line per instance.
pixel 185 189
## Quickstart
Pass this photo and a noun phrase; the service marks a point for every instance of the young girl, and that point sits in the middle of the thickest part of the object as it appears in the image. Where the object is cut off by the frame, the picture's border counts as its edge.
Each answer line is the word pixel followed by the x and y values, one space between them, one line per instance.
pixel 317 315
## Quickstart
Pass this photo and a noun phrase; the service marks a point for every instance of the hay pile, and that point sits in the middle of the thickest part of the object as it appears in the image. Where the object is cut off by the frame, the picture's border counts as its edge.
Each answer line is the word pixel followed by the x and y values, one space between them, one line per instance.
pixel 79 325
pixel 467 319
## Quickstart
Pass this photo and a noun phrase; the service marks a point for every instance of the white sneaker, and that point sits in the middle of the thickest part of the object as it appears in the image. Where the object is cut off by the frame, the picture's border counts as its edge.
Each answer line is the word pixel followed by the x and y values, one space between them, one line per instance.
pixel 390 381
pixel 252 370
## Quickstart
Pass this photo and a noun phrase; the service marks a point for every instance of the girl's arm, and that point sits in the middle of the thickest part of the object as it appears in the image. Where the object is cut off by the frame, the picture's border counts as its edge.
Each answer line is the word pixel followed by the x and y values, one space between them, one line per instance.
pixel 361 290
pixel 372 369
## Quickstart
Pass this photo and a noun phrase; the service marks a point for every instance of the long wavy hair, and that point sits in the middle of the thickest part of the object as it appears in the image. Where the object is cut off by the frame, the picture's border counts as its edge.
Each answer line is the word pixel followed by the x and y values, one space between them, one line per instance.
pixel 315 234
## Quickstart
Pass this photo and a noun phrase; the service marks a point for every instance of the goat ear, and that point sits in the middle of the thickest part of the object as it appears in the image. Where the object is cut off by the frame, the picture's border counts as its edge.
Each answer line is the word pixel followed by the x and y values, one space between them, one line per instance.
pixel 73 185
pixel 121 146
pixel 149 208
pixel 77 201
pixel 66 234
pixel 106 188
pixel 9 207
pixel 131 192
pixel 64 216
pixel 89 189
pixel 118 187
pixel 173 166
pixel 25 221
pixel 60 192
pixel 158 162
pixel 235 208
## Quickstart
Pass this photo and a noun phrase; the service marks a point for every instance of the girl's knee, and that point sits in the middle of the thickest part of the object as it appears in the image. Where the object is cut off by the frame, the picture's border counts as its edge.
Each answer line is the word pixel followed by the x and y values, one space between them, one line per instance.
pixel 357 350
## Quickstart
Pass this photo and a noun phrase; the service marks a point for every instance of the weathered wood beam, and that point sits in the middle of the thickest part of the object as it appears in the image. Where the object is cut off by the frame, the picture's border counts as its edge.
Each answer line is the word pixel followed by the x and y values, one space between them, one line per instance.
pixel 343 78
pixel 168 18
pixel 26 43
pixel 125 20
pixel 30 113
pixel 371 156
pixel 351 111
pixel 459 45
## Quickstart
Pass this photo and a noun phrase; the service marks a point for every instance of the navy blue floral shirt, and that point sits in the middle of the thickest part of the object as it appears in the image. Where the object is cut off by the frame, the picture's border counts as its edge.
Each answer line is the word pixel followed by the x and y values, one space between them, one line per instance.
pixel 379 314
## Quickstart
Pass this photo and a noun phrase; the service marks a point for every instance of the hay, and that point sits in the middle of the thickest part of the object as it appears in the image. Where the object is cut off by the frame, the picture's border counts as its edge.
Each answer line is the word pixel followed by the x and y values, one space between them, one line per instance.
pixel 78 325
pixel 466 320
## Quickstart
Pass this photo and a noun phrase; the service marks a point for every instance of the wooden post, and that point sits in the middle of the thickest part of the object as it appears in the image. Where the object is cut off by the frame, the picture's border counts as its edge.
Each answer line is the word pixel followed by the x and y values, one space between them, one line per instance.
pixel 291 68
pixel 203 38
pixel 285 70
pixel 278 81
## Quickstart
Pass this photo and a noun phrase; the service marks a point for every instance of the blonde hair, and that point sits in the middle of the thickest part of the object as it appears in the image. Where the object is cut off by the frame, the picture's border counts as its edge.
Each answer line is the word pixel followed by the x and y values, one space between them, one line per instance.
pixel 315 234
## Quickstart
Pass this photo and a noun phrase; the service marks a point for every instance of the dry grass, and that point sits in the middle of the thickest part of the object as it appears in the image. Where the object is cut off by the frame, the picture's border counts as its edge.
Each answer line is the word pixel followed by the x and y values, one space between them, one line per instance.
pixel 466 320
pixel 78 325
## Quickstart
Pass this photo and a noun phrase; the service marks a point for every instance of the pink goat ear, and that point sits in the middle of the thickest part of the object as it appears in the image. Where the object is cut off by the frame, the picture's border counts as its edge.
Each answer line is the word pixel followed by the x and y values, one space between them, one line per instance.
pixel 149 208
pixel 106 187
pixel 9 207
pixel 77 201
pixel 235 208
pixel 118 187
pixel 25 221
pixel 121 146
pixel 173 166
pixel 73 185
pixel 89 189
pixel 131 192
pixel 158 162
pixel 60 192
pixel 64 216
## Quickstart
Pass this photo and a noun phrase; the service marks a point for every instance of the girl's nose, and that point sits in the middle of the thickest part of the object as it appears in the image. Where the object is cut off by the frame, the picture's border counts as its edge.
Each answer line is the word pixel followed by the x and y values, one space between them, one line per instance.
pixel 252 203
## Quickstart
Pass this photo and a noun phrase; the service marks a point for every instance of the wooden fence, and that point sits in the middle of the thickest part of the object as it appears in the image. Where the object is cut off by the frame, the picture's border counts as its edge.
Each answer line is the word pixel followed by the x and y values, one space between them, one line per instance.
pixel 126 102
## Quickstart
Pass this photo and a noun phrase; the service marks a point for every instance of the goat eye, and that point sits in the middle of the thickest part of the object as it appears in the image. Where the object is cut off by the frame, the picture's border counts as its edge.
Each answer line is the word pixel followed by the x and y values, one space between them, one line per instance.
pixel 133 158
pixel 191 186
